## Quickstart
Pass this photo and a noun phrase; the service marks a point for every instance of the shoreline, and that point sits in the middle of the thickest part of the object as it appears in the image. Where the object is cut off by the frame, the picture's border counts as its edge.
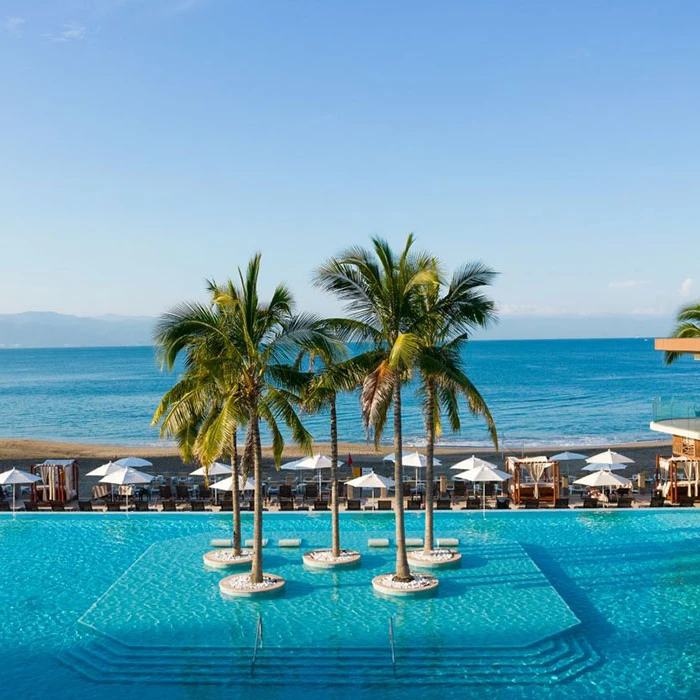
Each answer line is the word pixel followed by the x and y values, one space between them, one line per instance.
pixel 27 449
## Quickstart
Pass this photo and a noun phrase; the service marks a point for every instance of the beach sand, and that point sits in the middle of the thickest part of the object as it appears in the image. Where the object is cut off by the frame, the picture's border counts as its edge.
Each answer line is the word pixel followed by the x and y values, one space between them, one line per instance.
pixel 166 460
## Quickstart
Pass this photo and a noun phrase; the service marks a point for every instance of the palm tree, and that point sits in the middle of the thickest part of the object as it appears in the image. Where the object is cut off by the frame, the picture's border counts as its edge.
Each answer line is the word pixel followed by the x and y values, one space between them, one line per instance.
pixel 381 294
pixel 260 341
pixel 447 320
pixel 336 374
pixel 190 412
pixel 688 326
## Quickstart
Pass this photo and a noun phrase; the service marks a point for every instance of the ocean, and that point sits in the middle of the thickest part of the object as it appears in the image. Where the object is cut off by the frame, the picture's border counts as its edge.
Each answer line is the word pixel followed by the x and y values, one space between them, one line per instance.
pixel 541 392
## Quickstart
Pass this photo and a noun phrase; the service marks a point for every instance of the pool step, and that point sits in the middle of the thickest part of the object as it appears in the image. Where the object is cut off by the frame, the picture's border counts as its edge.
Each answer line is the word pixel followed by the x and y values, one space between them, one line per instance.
pixel 548 662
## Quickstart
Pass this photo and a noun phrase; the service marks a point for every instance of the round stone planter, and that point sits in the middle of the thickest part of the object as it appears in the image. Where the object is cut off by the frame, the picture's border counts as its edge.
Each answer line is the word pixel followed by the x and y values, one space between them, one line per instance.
pixel 239 586
pixel 322 559
pixel 422 585
pixel 224 559
pixel 438 559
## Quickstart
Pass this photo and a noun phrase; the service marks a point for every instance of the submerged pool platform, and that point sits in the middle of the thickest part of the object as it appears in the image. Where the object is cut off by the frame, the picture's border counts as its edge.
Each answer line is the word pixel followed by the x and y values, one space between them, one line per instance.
pixel 542 603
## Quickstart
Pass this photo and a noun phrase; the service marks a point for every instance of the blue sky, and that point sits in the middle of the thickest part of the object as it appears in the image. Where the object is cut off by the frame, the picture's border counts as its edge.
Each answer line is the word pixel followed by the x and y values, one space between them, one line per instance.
pixel 151 144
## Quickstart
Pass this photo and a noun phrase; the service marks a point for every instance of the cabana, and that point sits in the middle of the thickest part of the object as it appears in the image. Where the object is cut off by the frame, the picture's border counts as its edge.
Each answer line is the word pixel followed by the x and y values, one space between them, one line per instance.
pixel 677 474
pixel 533 477
pixel 59 479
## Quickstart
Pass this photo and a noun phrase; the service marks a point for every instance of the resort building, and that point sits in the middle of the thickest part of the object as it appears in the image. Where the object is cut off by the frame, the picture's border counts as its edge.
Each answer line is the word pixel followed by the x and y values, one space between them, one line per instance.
pixel 679 475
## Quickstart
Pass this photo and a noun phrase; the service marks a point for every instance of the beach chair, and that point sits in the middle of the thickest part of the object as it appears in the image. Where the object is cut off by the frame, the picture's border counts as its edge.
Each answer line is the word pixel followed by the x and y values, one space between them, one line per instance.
pixel 384 505
pixel 413 504
pixel 502 503
pixel 197 506
pixel 85 506
pixel 4 506
pixel 165 492
pixel 100 492
pixel 320 505
pixel 657 502
pixel 561 503
pixel 182 493
pixel 30 507
pixel 168 506
pixel 590 503
pixel 686 501
pixel 444 504
pixel 141 506
pixel 473 503
pixel 113 507
pixel 226 506
pixel 353 504
pixel 286 504
pixel 58 506
pixel 532 503
pixel 459 492
pixel 624 502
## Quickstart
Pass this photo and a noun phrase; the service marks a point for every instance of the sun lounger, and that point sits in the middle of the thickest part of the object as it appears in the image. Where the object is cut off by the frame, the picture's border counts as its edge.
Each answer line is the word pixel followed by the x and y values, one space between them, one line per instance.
pixel 413 504
pixel 590 503
pixel 30 506
pixel 657 502
pixel 561 503
pixel 473 503
pixel 114 507
pixel 624 502
pixel 291 542
pixel 502 503
pixel 168 506
pixel 532 503
pixel 686 501
pixel 353 504
pixel 4 506
pixel 197 506
pixel 447 542
pixel 84 506
pixel 377 542
pixel 286 504
pixel 320 505
pixel 142 506
pixel 444 504
pixel 384 505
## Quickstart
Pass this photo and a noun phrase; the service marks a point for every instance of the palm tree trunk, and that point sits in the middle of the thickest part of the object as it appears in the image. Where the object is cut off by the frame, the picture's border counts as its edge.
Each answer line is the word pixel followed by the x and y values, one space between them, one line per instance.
pixel 403 573
pixel 235 496
pixel 335 524
pixel 430 451
pixel 256 573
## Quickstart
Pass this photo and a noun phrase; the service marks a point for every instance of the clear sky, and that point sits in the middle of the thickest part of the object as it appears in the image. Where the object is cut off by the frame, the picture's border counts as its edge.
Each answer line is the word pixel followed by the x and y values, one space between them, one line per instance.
pixel 150 144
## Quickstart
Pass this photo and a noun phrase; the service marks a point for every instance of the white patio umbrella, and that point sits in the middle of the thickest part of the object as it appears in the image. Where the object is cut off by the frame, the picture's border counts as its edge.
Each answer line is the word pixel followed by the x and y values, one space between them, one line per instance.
pixel 598 466
pixel 227 485
pixel 133 462
pixel 413 459
pixel 371 480
pixel 567 457
pixel 104 469
pixel 609 457
pixel 127 476
pixel 17 476
pixel 472 463
pixel 603 477
pixel 482 475
pixel 215 469
pixel 317 462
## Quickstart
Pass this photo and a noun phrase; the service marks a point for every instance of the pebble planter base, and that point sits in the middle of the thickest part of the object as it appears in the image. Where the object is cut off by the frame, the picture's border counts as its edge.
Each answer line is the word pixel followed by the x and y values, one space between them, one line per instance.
pixel 239 586
pixel 224 559
pixel 321 559
pixel 422 585
pixel 442 558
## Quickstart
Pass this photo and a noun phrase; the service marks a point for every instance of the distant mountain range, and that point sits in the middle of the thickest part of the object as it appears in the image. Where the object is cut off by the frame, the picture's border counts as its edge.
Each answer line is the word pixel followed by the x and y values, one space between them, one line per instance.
pixel 35 329
pixel 39 329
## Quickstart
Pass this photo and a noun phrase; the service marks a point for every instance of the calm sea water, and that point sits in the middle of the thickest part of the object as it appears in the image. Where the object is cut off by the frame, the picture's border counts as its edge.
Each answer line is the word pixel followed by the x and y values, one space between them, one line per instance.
pixel 546 392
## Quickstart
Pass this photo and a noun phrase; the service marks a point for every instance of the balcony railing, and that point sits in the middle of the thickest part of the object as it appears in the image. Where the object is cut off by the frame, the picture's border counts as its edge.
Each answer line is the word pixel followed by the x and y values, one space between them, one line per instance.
pixel 670 408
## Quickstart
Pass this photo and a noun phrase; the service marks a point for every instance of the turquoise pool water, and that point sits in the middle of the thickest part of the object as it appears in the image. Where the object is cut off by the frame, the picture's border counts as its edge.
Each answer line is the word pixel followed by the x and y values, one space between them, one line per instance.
pixel 546 604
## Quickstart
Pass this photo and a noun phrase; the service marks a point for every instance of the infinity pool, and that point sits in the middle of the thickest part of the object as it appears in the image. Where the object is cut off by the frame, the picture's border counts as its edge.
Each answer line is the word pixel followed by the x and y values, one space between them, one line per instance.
pixel 546 604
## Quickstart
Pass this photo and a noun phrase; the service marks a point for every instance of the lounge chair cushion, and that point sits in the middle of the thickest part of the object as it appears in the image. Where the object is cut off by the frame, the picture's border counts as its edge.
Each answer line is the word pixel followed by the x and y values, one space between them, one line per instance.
pixel 447 542
pixel 291 542
pixel 377 542
pixel 249 543
pixel 414 541
pixel 221 543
